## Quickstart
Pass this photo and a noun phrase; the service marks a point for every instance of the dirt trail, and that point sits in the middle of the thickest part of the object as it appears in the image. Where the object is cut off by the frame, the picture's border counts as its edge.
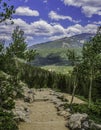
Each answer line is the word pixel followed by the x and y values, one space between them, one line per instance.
pixel 44 117
pixel 44 114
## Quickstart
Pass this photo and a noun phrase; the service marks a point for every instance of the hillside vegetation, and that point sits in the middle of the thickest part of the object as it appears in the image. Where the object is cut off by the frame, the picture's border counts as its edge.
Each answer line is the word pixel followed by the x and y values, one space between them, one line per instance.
pixel 16 67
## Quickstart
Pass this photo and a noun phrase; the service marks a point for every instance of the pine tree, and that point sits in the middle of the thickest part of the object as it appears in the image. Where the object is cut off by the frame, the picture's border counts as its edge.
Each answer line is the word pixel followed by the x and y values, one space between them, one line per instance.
pixel 91 54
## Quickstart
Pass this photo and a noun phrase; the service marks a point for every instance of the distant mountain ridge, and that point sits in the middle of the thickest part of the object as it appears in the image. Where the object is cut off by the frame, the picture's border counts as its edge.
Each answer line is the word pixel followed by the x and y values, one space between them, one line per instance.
pixel 54 52
pixel 73 41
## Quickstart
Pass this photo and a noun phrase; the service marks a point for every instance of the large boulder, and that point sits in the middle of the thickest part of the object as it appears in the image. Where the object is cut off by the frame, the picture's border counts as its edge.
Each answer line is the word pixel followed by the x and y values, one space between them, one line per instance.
pixel 78 121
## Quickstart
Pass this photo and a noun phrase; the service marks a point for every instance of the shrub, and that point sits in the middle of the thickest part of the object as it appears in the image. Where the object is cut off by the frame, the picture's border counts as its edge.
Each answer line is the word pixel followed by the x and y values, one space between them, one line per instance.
pixel 7 121
pixel 94 111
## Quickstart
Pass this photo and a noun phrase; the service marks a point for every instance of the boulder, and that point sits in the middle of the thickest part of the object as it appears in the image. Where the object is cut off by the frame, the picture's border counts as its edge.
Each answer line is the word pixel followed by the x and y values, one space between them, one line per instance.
pixel 63 113
pixel 29 98
pixel 78 121
pixel 21 111
pixel 28 94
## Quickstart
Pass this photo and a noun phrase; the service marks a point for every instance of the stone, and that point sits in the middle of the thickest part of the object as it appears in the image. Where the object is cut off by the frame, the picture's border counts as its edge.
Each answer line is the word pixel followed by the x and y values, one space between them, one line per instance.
pixel 76 120
pixel 21 111
pixel 85 125
pixel 95 126
pixel 28 94
pixel 29 98
pixel 63 98
pixel 63 113
pixel 59 108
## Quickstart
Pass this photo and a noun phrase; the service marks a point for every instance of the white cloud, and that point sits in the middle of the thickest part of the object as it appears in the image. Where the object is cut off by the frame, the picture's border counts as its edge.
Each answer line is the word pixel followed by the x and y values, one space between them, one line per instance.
pixel 29 38
pixel 73 30
pixel 42 28
pixel 78 29
pixel 52 38
pixel 98 23
pixel 45 1
pixel 5 37
pixel 53 15
pixel 89 7
pixel 26 11
pixel 89 11
pixel 90 28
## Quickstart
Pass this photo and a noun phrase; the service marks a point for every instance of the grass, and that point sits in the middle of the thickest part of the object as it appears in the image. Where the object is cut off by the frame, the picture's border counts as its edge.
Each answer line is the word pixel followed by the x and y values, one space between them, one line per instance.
pixel 82 98
pixel 58 69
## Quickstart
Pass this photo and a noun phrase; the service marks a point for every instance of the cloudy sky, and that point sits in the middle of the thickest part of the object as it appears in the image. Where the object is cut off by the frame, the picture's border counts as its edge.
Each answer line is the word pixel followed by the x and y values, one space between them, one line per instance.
pixel 45 20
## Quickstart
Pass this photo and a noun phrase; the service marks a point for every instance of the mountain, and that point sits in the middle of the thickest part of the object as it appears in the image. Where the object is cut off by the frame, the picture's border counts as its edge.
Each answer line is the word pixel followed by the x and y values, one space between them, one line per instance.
pixel 53 52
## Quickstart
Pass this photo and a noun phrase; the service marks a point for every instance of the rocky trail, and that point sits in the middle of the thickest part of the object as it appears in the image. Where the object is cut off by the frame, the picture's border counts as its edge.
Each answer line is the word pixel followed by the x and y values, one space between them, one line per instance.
pixel 44 110
pixel 43 114
pixel 44 117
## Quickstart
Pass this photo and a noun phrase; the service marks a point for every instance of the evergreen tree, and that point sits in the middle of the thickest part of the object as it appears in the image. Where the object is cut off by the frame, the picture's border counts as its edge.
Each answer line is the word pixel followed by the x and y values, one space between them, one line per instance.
pixel 91 56
pixel 72 56
pixel 18 45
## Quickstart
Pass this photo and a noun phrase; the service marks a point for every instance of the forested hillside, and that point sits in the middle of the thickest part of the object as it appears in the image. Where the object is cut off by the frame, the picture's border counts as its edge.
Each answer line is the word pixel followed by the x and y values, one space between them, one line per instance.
pixel 83 81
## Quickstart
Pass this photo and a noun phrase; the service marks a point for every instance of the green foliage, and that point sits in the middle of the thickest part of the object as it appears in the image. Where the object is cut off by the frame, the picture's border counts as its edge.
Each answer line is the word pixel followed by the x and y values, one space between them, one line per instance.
pixel 30 55
pixel 89 70
pixel 94 111
pixel 9 85
pixel 18 45
pixel 72 56
pixel 58 69
pixel 2 55
pixel 6 104
pixel 6 94
pixel 39 78
pixel 6 10
pixel 7 121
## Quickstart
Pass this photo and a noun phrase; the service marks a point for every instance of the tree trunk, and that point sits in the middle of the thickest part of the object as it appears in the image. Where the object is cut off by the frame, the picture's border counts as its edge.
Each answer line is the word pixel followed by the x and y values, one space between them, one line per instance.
pixel 73 94
pixel 74 88
pixel 90 89
pixel 16 64
pixel 69 85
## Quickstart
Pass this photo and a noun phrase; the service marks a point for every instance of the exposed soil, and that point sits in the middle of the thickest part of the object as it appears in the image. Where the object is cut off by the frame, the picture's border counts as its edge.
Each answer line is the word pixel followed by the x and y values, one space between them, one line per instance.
pixel 44 114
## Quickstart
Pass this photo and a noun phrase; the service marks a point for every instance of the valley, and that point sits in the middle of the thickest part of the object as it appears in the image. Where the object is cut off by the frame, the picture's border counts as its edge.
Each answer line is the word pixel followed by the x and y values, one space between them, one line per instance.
pixel 54 53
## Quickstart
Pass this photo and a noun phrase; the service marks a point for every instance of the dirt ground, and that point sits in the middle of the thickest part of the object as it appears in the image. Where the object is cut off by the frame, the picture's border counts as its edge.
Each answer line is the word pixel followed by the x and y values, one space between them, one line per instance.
pixel 44 114
pixel 44 117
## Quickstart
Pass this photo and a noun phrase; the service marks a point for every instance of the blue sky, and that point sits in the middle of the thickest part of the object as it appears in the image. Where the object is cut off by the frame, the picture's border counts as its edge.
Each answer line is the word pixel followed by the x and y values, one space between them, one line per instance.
pixel 45 20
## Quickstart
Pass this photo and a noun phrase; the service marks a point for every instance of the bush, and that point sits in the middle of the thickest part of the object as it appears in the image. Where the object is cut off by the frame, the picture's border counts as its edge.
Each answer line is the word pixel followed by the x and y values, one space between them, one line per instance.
pixel 7 121
pixel 94 111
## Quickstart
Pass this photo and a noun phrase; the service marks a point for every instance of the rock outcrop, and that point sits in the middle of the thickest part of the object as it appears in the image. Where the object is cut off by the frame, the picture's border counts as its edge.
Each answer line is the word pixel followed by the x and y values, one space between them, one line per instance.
pixel 22 111
pixel 78 121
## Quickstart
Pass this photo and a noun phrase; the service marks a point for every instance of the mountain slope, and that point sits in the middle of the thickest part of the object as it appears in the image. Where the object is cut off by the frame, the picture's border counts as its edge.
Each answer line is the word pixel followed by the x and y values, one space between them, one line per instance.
pixel 55 51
